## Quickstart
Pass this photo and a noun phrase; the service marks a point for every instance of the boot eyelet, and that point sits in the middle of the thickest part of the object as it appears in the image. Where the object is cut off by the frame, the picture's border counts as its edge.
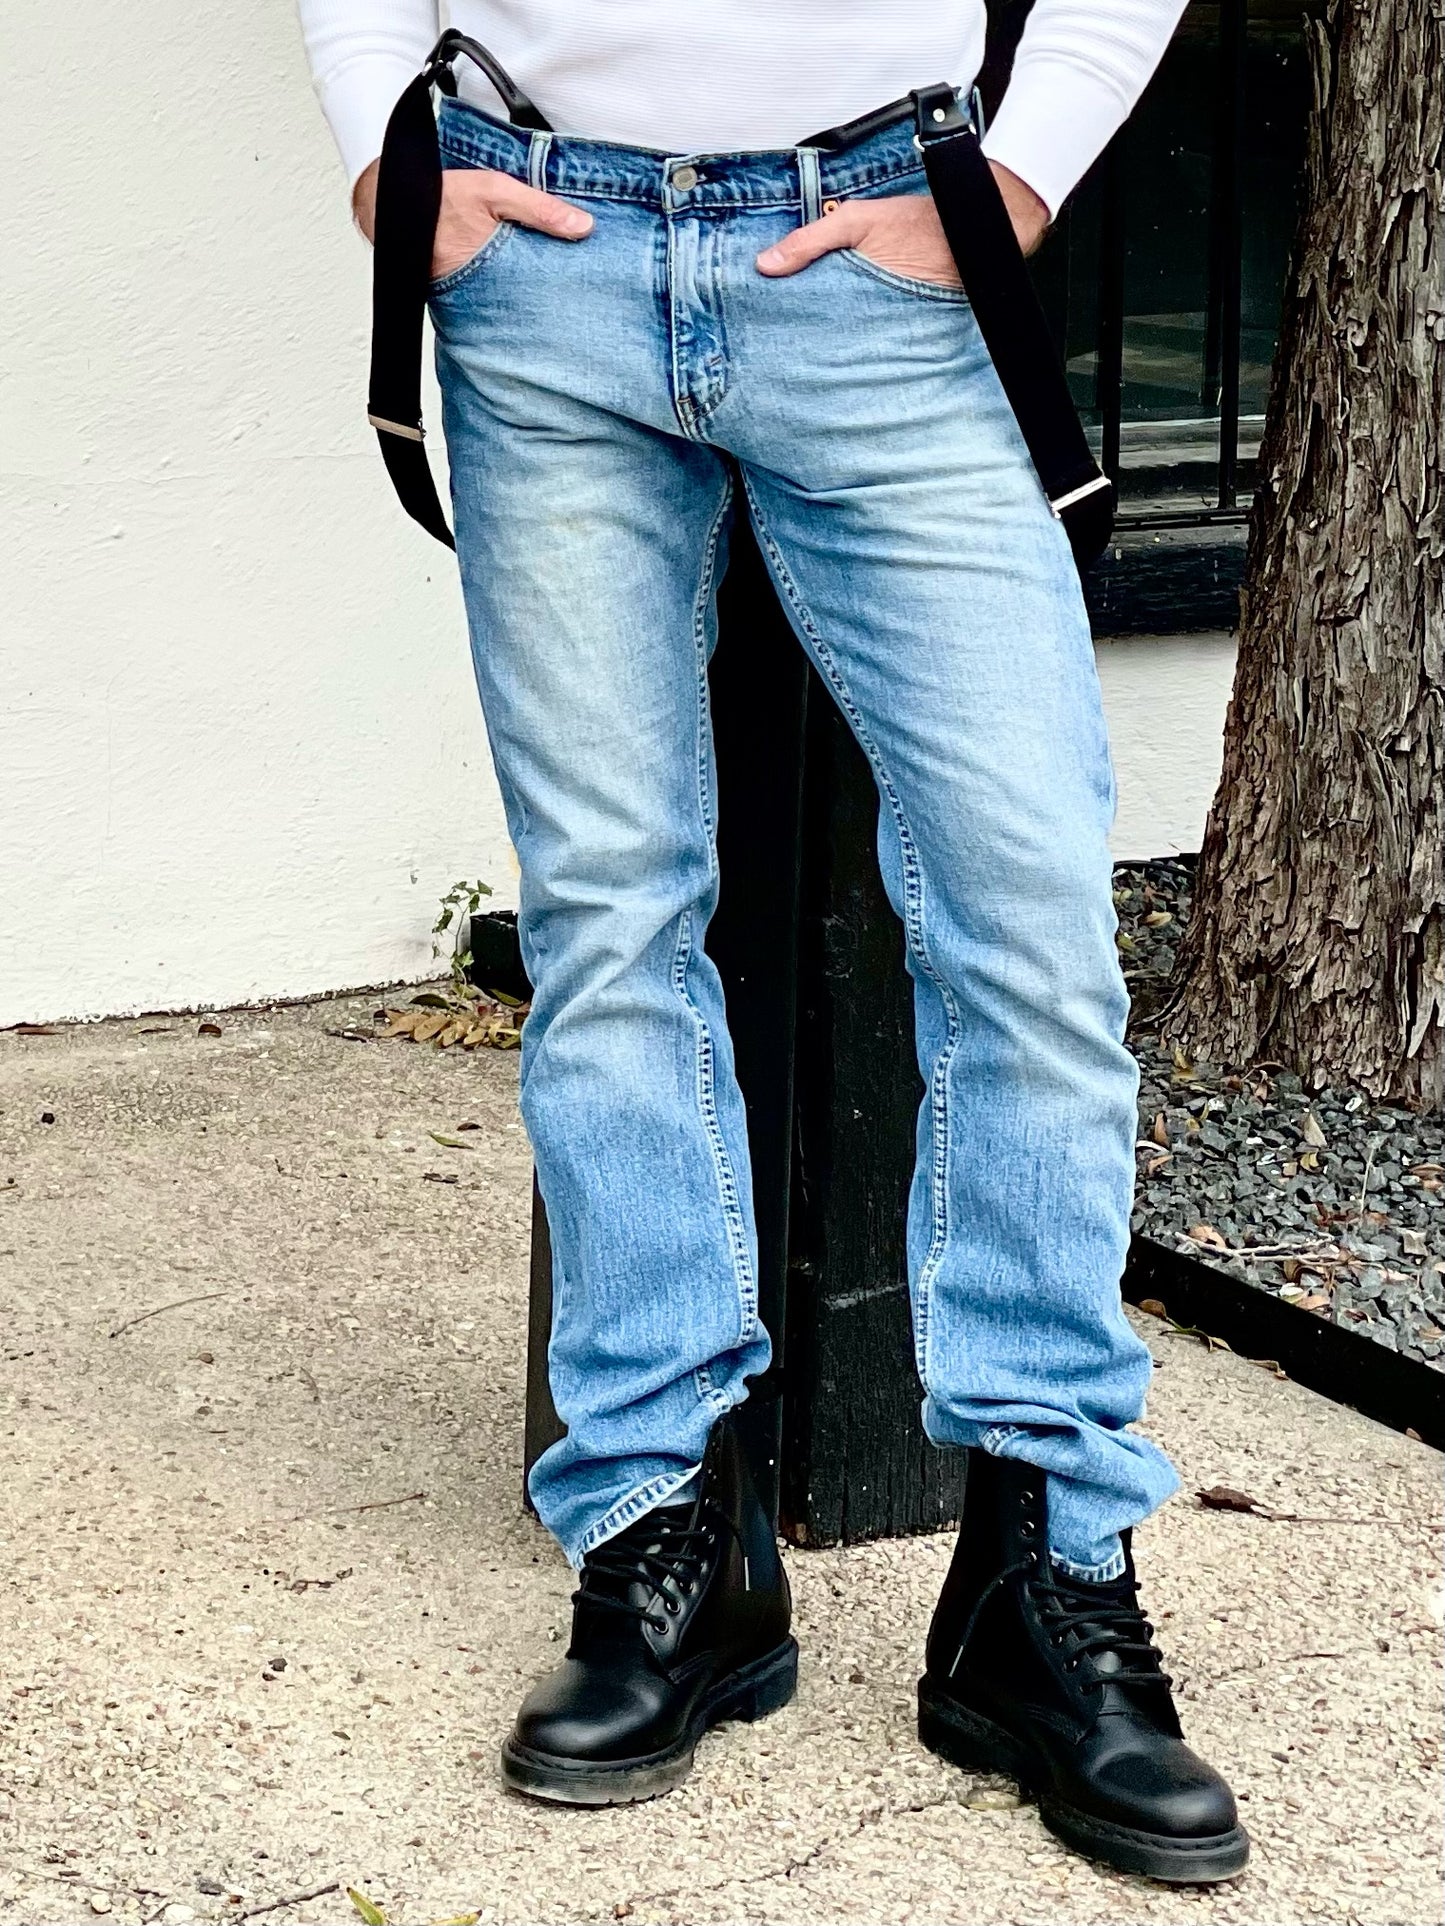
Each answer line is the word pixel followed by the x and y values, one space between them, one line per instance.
pixel 1027 1528
pixel 671 1607
pixel 1032 1560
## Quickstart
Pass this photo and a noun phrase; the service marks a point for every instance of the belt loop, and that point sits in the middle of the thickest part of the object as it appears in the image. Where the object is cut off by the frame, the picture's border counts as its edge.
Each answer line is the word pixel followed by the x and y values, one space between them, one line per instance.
pixel 810 181
pixel 980 119
pixel 537 152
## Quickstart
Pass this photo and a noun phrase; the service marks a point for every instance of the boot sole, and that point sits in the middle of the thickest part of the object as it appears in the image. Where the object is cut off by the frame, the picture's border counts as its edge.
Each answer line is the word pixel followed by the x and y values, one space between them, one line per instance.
pixel 751 1693
pixel 976 1744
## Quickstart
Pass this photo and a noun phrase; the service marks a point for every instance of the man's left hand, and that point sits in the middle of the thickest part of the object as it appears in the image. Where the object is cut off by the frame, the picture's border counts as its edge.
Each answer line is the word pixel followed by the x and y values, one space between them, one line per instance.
pixel 902 232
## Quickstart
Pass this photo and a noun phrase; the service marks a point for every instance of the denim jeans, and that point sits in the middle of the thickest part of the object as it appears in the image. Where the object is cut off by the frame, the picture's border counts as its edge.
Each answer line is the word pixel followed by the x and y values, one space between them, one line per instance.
pixel 599 396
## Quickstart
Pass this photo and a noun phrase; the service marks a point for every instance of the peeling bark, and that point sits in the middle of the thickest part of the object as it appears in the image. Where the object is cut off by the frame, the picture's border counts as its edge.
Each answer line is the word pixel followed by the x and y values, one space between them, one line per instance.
pixel 1318 931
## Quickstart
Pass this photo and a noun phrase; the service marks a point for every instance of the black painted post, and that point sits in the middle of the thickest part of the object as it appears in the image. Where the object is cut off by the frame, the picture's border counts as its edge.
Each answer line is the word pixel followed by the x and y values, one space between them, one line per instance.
pixel 856 1464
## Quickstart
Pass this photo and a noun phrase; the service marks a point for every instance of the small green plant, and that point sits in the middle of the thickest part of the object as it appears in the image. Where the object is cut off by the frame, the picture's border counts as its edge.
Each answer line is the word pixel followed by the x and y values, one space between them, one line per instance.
pixel 460 1013
pixel 458 907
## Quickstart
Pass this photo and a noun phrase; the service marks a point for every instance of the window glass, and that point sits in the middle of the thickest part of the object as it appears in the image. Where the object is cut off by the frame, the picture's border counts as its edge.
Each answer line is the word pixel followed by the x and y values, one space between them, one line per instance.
pixel 1161 191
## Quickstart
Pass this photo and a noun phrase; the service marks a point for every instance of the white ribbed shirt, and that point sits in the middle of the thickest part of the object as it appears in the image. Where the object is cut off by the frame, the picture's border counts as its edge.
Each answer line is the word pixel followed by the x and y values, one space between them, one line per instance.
pixel 721 76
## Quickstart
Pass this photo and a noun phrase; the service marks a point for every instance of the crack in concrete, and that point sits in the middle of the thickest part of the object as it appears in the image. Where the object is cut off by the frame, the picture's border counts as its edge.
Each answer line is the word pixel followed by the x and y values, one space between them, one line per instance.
pixel 792 1866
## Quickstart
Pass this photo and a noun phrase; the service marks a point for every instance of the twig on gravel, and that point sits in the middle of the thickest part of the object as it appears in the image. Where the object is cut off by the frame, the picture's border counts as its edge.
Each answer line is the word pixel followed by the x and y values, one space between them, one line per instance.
pixel 1309 1518
pixel 1301 1251
pixel 1225 1498
pixel 292 1899
pixel 156 1310
pixel 372 1504
pixel 77 1880
pixel 1374 1145
pixel 1271 1663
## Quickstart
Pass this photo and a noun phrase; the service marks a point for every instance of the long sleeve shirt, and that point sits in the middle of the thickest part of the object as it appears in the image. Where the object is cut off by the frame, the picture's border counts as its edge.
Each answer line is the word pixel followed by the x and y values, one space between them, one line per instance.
pixel 723 76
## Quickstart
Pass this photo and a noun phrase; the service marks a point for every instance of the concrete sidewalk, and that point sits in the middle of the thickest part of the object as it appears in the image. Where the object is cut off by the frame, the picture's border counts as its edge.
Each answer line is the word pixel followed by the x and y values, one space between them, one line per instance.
pixel 270 1596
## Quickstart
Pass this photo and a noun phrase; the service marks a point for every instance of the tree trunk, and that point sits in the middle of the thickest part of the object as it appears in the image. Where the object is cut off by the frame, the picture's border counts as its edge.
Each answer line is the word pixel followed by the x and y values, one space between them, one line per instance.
pixel 1318 932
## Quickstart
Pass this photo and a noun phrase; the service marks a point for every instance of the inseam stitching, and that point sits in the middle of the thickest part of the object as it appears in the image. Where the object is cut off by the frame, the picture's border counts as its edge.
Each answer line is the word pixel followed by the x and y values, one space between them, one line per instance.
pixel 744 1278
pixel 913 932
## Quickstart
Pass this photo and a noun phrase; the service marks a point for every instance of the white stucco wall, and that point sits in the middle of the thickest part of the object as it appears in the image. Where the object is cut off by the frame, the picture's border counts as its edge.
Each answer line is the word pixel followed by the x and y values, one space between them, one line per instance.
pixel 240 753
pixel 1165 698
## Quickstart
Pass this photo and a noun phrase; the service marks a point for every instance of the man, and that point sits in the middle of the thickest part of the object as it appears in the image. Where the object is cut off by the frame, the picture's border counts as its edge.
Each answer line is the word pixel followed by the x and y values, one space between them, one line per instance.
pixel 667 294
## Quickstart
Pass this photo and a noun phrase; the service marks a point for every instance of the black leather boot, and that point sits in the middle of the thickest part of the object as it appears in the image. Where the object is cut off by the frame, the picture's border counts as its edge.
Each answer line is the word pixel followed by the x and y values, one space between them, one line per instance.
pixel 1058 1683
pixel 679 1622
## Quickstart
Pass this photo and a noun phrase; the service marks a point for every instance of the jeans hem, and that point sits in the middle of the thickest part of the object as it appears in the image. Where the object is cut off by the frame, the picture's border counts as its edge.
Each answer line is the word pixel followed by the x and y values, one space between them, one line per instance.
pixel 998 1441
pixel 1104 1574
pixel 637 1503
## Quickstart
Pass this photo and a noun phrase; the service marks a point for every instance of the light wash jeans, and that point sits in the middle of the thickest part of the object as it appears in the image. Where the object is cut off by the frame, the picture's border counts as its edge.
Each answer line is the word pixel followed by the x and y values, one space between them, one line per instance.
pixel 593 392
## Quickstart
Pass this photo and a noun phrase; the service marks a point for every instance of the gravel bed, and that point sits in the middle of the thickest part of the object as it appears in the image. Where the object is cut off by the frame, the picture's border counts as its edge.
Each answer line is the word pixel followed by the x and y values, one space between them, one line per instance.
pixel 1324 1197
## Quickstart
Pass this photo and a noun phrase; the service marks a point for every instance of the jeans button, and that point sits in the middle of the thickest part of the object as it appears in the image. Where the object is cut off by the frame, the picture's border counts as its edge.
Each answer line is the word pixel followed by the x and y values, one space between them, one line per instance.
pixel 685 179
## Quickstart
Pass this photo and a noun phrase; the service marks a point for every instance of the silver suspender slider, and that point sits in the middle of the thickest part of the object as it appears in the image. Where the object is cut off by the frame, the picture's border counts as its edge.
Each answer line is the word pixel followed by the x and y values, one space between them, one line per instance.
pixel 1077 495
pixel 418 433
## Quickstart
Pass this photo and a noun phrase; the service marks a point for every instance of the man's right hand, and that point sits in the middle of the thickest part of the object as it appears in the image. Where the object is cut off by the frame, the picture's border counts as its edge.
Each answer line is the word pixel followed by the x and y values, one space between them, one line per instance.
pixel 475 200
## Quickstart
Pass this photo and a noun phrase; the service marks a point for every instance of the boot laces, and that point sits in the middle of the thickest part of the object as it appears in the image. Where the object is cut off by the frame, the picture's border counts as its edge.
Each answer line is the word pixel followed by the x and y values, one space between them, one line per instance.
pixel 654 1553
pixel 1098 1619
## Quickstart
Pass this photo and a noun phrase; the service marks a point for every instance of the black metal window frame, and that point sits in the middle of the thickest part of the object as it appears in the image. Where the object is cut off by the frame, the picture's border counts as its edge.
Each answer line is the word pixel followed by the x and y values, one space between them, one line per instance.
pixel 1224 297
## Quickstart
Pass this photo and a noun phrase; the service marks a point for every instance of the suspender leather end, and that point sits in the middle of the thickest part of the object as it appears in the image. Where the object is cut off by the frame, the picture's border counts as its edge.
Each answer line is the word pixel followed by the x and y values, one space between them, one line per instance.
pixel 939 114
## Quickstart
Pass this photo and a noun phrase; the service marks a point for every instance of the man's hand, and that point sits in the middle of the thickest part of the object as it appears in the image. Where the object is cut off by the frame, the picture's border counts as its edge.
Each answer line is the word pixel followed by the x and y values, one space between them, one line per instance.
pixel 902 233
pixel 474 201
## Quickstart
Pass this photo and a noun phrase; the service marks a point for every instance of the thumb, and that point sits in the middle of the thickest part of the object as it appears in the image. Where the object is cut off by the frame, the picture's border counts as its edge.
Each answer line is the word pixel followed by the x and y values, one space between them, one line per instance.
pixel 513 200
pixel 844 227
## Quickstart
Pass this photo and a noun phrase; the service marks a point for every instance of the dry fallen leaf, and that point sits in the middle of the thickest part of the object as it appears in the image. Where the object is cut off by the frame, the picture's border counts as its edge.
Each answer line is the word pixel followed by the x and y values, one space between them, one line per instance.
pixel 1152 1306
pixel 1312 1130
pixel 1160 1132
pixel 993 1799
pixel 208 1029
pixel 1209 1237
pixel 491 1021
pixel 1226 1498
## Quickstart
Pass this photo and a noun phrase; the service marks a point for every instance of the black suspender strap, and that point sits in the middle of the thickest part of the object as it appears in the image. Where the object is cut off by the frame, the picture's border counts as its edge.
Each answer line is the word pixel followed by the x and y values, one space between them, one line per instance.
pixel 1006 306
pixel 975 221
pixel 408 202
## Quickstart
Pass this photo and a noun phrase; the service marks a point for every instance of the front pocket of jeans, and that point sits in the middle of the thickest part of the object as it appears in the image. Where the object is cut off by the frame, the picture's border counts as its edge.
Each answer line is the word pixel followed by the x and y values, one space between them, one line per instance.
pixel 904 283
pixel 445 283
